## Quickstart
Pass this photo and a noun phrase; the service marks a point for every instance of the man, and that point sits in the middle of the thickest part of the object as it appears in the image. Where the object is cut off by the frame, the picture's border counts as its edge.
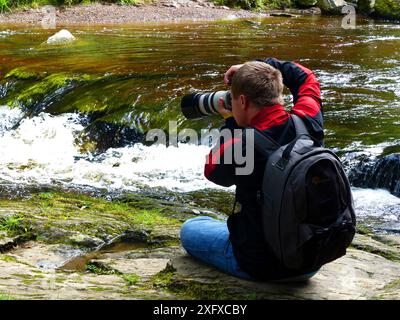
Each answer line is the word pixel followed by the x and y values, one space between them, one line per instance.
pixel 238 246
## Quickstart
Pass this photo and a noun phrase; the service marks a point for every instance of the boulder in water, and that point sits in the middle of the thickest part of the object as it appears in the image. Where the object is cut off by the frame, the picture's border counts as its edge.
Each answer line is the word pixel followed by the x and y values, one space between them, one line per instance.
pixel 383 173
pixel 62 36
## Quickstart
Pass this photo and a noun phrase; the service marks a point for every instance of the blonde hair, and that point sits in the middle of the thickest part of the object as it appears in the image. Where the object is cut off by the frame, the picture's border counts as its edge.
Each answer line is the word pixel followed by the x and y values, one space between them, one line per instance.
pixel 259 82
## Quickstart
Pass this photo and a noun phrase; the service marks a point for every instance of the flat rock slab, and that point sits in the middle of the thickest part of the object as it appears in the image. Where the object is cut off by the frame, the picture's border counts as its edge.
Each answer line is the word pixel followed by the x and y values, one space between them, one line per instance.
pixel 145 267
pixel 358 275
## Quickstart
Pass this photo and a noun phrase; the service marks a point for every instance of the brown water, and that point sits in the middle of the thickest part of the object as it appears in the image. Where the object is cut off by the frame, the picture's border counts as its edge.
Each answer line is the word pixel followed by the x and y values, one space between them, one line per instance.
pixel 79 263
pixel 150 67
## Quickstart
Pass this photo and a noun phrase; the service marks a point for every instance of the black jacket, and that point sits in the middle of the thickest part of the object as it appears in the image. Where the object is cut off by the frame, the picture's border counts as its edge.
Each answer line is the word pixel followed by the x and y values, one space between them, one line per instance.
pixel 245 226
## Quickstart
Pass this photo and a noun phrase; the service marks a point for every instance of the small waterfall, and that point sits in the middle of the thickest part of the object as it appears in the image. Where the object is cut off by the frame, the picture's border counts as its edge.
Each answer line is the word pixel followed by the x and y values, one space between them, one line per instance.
pixel 382 173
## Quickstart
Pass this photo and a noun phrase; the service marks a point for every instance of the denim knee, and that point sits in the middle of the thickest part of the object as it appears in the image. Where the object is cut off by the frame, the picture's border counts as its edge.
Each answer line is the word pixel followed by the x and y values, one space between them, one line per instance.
pixel 187 230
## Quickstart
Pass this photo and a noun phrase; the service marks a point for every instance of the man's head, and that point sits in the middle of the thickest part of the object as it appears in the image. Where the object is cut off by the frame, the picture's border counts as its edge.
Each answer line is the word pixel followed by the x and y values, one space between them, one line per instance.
pixel 255 85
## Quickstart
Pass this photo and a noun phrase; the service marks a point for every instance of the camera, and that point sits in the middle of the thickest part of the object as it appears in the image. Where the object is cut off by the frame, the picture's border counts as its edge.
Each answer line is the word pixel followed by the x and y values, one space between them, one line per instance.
pixel 198 105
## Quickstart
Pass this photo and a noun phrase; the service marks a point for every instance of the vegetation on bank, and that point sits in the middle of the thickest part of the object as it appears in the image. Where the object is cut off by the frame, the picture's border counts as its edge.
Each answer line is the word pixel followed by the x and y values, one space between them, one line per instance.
pixel 8 5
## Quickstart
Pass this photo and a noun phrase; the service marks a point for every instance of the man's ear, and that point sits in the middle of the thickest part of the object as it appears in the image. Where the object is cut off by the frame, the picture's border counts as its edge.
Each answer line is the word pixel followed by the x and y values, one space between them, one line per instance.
pixel 244 102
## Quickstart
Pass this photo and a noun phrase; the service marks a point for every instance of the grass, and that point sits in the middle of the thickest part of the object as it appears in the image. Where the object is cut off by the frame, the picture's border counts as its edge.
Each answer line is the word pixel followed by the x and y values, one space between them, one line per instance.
pixel 11 223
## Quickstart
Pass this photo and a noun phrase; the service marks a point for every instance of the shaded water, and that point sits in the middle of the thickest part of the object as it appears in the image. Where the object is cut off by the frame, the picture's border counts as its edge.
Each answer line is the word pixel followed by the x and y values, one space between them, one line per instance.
pixel 79 263
pixel 134 76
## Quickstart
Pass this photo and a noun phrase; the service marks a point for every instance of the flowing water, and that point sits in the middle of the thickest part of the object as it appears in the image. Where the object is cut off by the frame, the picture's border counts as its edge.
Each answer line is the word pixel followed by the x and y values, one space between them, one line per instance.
pixel 79 112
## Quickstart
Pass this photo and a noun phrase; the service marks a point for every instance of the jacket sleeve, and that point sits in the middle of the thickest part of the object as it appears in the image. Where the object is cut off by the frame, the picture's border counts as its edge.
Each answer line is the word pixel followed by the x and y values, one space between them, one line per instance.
pixel 220 163
pixel 306 92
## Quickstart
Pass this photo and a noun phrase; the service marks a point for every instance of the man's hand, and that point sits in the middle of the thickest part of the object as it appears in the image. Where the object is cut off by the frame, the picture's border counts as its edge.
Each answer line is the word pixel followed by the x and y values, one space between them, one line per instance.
pixel 229 74
pixel 222 110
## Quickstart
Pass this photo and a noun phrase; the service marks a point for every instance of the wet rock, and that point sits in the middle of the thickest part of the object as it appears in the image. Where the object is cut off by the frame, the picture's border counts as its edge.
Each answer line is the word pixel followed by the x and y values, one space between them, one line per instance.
pixel 368 244
pixel 63 36
pixel 82 240
pixel 44 256
pixel 358 275
pixel 382 173
pixel 100 136
pixel 144 267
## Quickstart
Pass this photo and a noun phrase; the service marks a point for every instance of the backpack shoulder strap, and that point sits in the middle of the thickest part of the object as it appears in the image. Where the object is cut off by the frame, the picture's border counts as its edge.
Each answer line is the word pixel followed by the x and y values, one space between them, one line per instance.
pixel 299 125
pixel 263 143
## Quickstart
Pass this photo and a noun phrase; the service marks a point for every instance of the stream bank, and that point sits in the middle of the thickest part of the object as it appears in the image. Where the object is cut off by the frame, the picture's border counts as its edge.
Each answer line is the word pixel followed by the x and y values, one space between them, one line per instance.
pixel 41 233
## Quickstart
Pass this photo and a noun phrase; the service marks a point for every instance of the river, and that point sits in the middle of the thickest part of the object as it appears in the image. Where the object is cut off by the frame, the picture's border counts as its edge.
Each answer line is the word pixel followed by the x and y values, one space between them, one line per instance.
pixel 79 111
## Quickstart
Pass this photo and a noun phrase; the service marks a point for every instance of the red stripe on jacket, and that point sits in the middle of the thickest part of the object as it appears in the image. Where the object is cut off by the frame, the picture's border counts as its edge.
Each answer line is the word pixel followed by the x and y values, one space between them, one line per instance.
pixel 215 155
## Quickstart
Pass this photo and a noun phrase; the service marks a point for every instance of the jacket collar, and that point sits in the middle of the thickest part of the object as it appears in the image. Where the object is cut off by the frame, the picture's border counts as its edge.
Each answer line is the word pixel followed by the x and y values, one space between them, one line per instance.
pixel 269 116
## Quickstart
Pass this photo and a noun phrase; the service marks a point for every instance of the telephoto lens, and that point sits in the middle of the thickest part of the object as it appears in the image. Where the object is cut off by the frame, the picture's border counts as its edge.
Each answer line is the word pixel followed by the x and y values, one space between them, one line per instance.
pixel 199 105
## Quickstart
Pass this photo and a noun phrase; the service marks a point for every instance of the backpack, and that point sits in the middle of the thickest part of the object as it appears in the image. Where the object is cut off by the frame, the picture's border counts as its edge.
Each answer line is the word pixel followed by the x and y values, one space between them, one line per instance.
pixel 308 213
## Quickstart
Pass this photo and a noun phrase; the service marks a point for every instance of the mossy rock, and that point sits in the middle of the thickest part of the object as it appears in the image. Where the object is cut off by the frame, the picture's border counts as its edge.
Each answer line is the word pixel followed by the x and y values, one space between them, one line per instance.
pixel 388 9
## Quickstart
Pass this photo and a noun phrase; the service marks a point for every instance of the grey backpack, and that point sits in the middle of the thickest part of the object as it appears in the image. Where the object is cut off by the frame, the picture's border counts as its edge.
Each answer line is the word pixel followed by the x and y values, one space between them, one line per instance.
pixel 308 213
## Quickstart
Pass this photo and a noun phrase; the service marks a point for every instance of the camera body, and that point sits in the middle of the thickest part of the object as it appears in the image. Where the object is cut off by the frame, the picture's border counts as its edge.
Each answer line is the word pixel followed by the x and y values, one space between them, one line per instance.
pixel 199 105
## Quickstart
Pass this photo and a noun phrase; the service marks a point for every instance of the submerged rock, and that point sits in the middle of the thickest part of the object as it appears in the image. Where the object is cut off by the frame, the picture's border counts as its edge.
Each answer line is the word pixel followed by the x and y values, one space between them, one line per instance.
pixel 63 36
pixel 383 173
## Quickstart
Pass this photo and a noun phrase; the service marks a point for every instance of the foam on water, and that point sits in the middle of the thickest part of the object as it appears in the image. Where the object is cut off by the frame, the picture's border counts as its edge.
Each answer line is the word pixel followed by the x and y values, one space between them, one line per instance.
pixel 42 150
pixel 379 204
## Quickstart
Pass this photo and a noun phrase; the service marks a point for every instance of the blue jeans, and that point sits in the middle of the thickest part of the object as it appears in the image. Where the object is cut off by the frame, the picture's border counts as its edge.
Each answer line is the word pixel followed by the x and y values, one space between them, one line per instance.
pixel 207 239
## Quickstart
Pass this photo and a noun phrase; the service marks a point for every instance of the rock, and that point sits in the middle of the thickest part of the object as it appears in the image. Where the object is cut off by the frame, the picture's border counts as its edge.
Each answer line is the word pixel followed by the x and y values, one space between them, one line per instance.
pixel 358 275
pixel 143 267
pixel 331 6
pixel 381 173
pixel 85 241
pixel 282 14
pixel 314 10
pixel 63 36
pixel 365 243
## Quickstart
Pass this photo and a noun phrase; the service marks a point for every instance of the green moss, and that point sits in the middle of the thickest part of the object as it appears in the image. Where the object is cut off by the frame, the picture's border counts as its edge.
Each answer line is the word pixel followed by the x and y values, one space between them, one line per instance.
pixel 6 297
pixel 389 255
pixel 55 217
pixel 7 258
pixel 131 279
pixel 99 269
pixel 23 73
pixel 163 279
pixel 389 9
pixel 97 289
pixel 38 90
pixel 362 229
pixel 393 285
pixel 151 218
